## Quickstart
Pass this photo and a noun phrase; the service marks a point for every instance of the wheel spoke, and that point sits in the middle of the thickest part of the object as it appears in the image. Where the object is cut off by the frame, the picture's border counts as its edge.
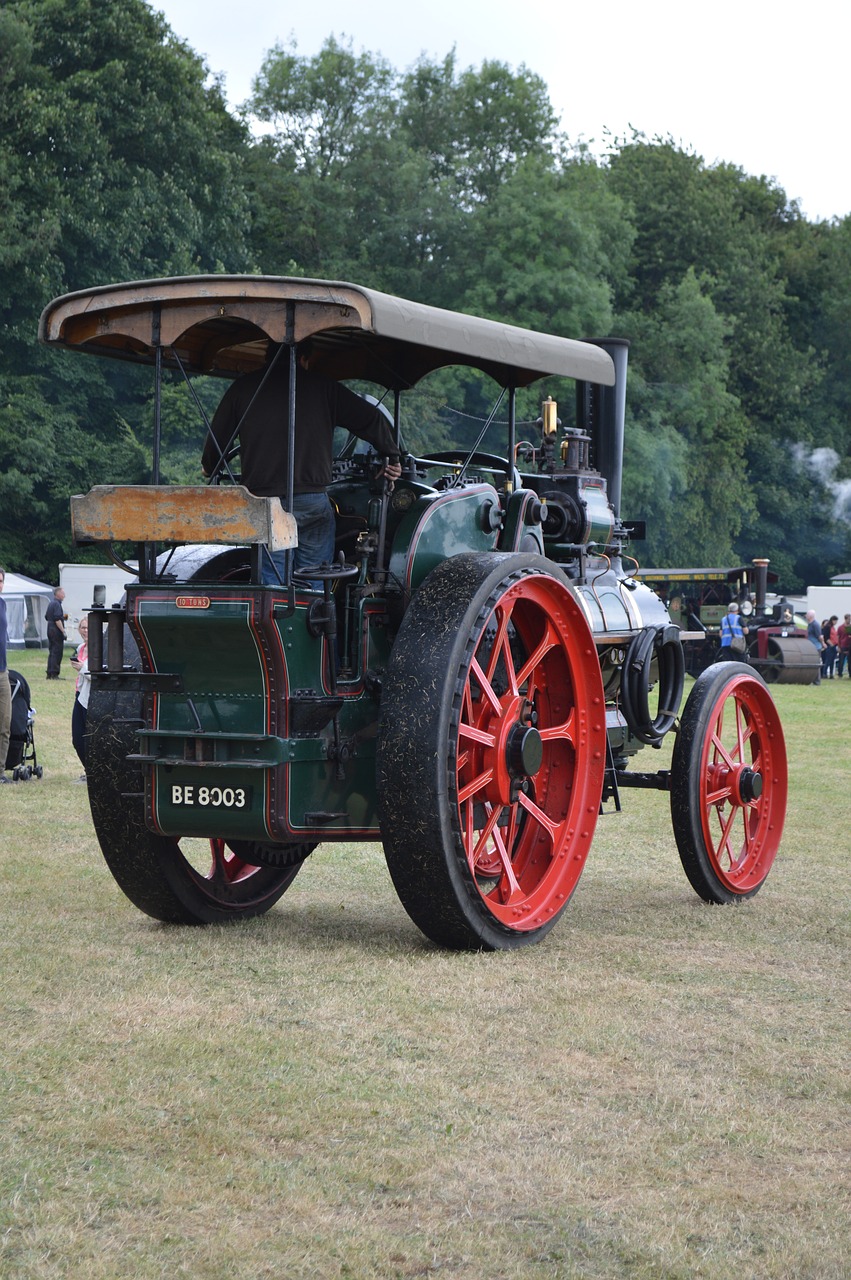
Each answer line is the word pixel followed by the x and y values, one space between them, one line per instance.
pixel 717 797
pixel 227 867
pixel 485 685
pixel 509 887
pixel 469 730
pixel 720 749
pixel 536 812
pixel 476 784
pixel 563 731
pixel 481 837
pixel 474 734
pixel 491 834
pixel 726 827
pixel 742 730
pixel 218 869
pixel 502 648
pixel 550 641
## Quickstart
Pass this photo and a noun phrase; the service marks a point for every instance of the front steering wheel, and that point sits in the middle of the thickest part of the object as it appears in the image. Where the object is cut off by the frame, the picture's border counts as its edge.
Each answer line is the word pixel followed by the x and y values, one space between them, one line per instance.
pixel 325 573
pixel 221 476
pixel 458 457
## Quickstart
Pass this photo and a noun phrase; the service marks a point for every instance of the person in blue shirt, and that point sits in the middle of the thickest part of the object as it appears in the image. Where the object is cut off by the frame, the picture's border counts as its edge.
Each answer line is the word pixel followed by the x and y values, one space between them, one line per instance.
pixel 5 690
pixel 731 627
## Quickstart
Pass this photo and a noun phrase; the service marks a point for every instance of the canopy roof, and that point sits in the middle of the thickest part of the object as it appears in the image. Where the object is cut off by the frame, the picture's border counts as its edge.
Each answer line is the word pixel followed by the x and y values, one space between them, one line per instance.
pixel 702 575
pixel 219 324
pixel 18 584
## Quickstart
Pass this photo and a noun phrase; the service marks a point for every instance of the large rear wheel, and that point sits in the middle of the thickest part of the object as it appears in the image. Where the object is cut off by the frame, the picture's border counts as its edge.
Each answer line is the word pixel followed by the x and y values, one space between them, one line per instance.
pixel 180 882
pixel 728 783
pixel 491 751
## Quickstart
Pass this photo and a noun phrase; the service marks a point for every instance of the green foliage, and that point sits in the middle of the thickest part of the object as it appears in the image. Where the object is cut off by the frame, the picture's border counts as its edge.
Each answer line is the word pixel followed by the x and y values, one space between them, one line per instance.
pixel 331 117
pixel 765 271
pixel 679 391
pixel 544 250
pixel 376 176
pixel 119 160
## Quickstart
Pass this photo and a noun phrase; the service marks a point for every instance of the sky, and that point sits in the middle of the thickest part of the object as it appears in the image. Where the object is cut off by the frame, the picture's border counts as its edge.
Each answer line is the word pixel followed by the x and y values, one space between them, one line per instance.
pixel 759 85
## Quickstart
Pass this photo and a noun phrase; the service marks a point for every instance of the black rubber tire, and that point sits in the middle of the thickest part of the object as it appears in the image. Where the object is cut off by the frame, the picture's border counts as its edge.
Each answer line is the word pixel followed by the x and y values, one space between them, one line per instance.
pixel 713 810
pixel 424 694
pixel 149 868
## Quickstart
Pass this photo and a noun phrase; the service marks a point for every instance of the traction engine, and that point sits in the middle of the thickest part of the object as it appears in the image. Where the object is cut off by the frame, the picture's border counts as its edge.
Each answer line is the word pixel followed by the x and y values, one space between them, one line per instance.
pixel 472 683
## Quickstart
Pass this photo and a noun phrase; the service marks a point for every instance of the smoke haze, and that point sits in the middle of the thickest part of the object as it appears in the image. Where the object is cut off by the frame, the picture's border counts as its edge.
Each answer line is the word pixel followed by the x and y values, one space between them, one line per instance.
pixel 823 464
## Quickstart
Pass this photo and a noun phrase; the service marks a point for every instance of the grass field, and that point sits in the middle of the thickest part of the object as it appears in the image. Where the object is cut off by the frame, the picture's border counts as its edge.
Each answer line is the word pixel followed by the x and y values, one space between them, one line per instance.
pixel 660 1089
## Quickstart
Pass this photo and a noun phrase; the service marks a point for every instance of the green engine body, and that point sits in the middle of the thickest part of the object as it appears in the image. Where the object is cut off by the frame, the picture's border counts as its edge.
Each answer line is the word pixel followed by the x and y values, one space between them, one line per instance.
pixel 260 725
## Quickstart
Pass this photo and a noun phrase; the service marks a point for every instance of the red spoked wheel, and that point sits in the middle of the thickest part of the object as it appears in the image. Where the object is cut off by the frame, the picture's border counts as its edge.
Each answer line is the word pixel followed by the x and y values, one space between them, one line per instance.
pixel 224 866
pixel 179 881
pixel 214 879
pixel 516 767
pixel 729 783
pixel 492 751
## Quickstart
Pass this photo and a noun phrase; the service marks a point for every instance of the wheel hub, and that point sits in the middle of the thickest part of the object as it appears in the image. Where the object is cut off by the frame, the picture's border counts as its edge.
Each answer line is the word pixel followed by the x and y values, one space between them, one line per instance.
pixel 525 751
pixel 744 784
pixel 750 785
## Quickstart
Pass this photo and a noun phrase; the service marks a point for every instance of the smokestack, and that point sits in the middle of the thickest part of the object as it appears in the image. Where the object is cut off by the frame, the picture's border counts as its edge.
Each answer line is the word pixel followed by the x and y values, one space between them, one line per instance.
pixel 600 411
pixel 760 584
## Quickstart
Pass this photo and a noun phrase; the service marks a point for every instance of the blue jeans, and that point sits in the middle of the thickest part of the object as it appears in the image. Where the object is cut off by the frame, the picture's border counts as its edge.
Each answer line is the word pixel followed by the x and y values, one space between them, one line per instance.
pixel 314 516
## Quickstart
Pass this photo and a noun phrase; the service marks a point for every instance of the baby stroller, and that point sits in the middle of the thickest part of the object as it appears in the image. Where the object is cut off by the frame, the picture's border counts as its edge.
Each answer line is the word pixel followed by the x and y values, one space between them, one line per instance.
pixel 21 757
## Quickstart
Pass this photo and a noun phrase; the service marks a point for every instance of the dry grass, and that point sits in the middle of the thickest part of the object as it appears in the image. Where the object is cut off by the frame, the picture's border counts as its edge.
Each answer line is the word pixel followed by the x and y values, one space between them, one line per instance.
pixel 658 1090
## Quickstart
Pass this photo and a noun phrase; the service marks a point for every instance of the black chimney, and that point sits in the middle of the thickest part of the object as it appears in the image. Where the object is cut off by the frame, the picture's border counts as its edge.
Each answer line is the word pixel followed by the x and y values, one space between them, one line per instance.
pixel 600 411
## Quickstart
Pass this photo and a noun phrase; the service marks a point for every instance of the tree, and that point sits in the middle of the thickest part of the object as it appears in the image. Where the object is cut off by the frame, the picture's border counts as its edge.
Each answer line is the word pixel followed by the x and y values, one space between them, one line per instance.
pixel 370 172
pixel 734 231
pixel 117 161
pixel 544 246
pixel 329 114
pixel 679 394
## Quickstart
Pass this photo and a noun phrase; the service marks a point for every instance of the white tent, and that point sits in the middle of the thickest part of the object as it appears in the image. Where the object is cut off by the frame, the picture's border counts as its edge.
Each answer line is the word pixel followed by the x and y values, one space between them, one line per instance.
pixel 26 604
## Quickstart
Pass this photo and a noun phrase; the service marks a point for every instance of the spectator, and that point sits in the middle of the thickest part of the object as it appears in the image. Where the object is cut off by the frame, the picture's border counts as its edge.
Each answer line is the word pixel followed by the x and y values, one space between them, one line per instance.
pixel 814 636
pixel 80 663
pixel 55 618
pixel 5 689
pixel 733 643
pixel 831 644
pixel 843 635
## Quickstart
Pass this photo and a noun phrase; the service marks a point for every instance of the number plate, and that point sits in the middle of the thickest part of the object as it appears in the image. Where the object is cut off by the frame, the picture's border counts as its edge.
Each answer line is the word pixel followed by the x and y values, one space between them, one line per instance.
pixel 195 796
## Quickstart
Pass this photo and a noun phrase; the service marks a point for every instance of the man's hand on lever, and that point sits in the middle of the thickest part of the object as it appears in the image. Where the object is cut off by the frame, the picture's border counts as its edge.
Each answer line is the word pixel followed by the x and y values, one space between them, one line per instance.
pixel 391 471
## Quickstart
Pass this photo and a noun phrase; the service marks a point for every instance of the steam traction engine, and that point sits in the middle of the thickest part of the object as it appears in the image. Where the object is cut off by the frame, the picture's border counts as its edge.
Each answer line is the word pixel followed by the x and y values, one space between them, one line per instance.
pixel 697 599
pixel 469 687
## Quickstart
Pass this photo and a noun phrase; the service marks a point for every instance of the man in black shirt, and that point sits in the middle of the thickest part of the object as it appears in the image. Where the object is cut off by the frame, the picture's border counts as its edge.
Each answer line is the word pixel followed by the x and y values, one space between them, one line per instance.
pixel 261 418
pixel 55 619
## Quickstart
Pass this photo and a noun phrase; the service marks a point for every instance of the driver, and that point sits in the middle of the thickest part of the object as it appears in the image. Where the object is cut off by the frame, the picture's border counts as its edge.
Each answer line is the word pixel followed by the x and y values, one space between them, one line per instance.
pixel 321 405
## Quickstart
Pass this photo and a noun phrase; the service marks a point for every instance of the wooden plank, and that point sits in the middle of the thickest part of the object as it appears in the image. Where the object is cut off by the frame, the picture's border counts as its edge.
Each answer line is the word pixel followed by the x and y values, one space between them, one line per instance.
pixel 226 514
